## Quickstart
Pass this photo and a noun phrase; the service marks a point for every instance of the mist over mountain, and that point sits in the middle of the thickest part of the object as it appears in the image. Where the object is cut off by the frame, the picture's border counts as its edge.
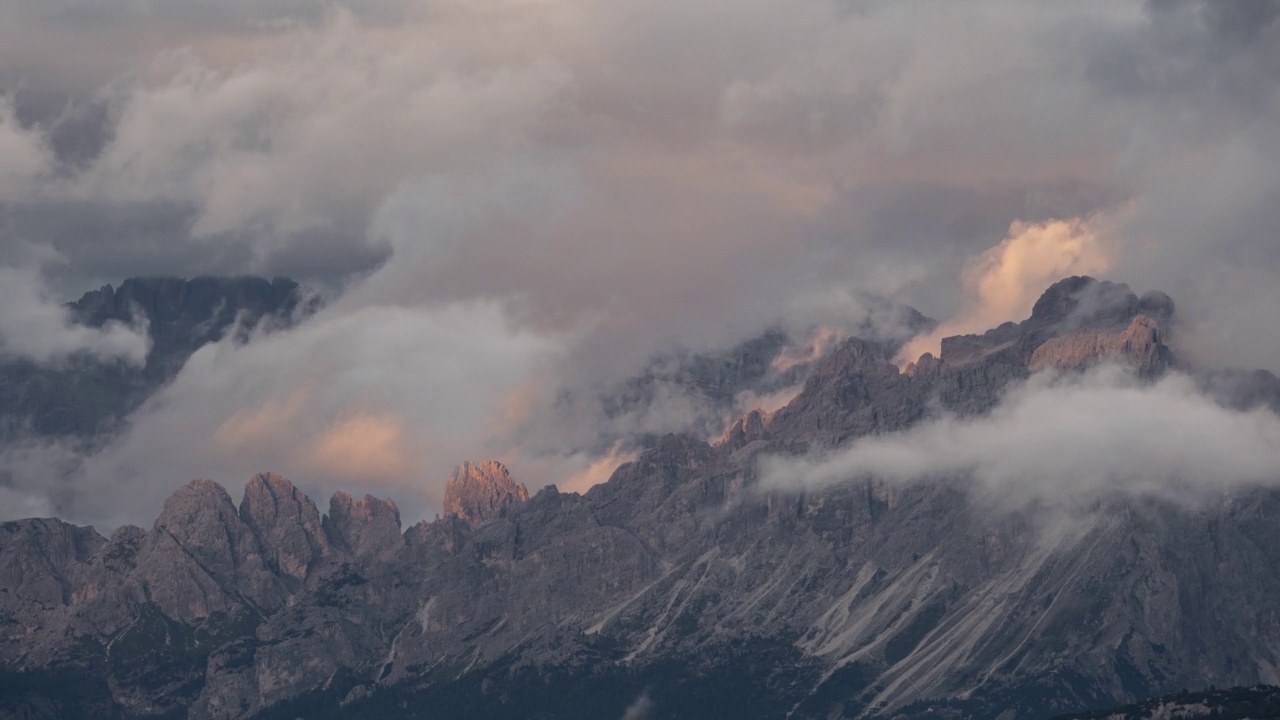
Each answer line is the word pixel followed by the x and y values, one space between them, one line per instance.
pixel 517 209
pixel 886 359
pixel 65 415
pixel 85 395
pixel 717 579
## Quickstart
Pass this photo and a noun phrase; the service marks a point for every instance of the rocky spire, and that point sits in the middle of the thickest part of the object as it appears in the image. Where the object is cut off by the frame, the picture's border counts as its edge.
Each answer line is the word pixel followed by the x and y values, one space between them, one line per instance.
pixel 478 492
pixel 286 523
pixel 201 517
pixel 363 528
pixel 745 430
pixel 201 539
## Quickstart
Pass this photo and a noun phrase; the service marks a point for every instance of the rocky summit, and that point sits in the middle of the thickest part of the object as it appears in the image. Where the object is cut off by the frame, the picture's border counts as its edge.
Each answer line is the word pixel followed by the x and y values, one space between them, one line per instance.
pixel 479 492
pixel 1078 321
pixel 679 585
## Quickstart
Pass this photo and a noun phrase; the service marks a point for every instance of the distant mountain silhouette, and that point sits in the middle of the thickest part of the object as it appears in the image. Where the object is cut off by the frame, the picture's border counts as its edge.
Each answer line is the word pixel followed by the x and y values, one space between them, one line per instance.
pixel 85 396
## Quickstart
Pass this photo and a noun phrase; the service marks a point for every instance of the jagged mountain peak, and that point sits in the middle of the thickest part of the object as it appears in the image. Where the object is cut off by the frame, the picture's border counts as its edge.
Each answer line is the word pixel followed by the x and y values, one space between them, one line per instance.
pixel 201 498
pixel 1077 322
pixel 676 577
pixel 479 492
pixel 366 527
pixel 287 524
pixel 746 429
pixel 92 397
pixel 1140 345
pixel 277 527
pixel 175 299
pixel 1083 301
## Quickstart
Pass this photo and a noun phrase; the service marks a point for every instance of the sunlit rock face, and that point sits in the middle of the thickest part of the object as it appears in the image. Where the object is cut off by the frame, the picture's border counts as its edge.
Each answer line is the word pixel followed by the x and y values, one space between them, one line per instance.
pixel 1077 322
pixel 680 579
pixel 1140 345
pixel 479 492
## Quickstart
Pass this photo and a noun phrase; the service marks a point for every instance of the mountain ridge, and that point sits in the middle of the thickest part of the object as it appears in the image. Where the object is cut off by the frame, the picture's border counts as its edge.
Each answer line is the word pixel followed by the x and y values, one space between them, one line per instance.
pixel 676 580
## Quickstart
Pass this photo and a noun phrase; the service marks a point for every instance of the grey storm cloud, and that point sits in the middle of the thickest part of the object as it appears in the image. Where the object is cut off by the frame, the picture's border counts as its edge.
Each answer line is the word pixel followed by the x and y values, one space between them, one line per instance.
pixel 596 184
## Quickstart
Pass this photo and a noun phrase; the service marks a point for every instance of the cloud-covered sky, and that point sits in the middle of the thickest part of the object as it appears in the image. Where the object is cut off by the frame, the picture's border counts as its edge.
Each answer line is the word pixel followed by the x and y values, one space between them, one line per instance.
pixel 505 194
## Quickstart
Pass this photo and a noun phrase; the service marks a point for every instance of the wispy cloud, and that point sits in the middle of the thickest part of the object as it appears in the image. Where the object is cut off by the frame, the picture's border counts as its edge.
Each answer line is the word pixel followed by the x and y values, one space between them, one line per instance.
pixel 34 325
pixel 640 709
pixel 1067 441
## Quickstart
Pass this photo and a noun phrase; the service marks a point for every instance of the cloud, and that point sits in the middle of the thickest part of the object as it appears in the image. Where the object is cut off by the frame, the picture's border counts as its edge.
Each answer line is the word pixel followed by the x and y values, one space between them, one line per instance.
pixel 17 505
pixel 1005 281
pixel 640 709
pixel 330 124
pixel 874 146
pixel 298 138
pixel 597 471
pixel 35 326
pixel 1066 441
pixel 369 398
pixel 624 181
pixel 25 160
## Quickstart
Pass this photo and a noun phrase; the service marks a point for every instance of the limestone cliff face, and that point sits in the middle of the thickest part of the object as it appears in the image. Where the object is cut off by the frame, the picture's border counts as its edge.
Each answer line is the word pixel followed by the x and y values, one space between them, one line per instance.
pixel 678 578
pixel 200 529
pixel 286 524
pixel 478 492
pixel 1140 345
pixel 171 614
pixel 368 527
pixel 1081 321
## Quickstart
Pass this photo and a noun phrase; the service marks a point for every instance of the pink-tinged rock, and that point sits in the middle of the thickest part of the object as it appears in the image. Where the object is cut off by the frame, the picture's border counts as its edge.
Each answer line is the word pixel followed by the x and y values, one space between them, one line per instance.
pixel 478 492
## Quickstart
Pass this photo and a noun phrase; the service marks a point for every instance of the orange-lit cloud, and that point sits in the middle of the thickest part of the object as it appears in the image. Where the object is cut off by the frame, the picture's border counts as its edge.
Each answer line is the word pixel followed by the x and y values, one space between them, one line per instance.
pixel 1004 282
pixel 768 403
pixel 820 342
pixel 519 406
pixel 258 430
pixel 364 448
pixel 598 471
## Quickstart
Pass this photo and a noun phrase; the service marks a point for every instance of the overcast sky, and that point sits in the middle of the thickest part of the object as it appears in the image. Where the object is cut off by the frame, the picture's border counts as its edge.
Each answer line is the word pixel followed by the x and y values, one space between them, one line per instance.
pixel 504 195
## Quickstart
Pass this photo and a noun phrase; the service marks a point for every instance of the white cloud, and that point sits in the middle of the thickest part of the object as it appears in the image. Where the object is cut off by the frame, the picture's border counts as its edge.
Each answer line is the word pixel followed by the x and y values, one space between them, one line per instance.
pixel 375 397
pixel 1004 282
pixel 1068 440
pixel 25 160
pixel 640 709
pixel 321 126
pixel 36 326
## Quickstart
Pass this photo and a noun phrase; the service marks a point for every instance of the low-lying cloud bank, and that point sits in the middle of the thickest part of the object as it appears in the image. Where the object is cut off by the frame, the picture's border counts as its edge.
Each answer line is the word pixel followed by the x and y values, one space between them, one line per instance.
pixel 1068 441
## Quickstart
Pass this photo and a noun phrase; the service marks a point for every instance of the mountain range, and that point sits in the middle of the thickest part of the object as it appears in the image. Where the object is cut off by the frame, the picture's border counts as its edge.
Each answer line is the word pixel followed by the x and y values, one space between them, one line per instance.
pixel 680 587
